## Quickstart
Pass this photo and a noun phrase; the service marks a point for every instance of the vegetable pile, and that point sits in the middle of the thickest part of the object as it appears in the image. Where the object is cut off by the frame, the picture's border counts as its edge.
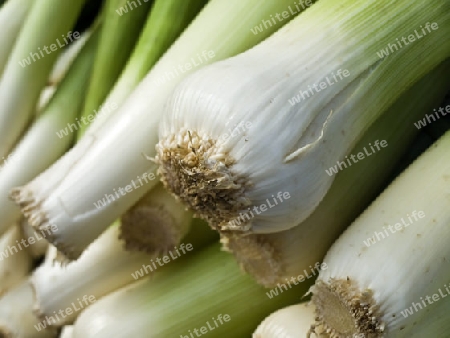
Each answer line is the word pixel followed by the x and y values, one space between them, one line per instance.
pixel 224 168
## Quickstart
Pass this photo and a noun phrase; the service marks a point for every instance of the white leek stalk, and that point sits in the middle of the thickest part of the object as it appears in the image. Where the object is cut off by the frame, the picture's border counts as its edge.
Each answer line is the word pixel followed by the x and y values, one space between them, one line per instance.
pixel 30 64
pixel 104 267
pixel 210 290
pixel 27 160
pixel 294 321
pixel 156 223
pixel 389 272
pixel 270 173
pixel 17 319
pixel 93 167
pixel 15 260
pixel 12 17
pixel 276 258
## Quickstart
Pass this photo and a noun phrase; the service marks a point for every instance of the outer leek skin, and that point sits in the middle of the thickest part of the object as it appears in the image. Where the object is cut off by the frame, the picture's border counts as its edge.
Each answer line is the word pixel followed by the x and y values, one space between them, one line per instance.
pixel 184 297
pixel 386 277
pixel 80 222
pixel 289 147
pixel 271 258
pixel 12 18
pixel 28 159
pixel 118 36
pixel 21 84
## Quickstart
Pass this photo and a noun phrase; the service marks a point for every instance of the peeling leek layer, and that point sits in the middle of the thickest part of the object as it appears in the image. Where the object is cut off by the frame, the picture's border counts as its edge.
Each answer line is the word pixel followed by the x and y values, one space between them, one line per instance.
pixel 109 158
pixel 209 286
pixel 394 286
pixel 230 179
pixel 275 258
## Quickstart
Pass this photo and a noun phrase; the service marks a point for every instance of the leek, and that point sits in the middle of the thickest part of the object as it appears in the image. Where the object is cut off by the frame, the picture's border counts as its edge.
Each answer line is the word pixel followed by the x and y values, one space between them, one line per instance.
pixel 103 267
pixel 86 169
pixel 27 159
pixel 181 291
pixel 272 175
pixel 30 63
pixel 275 258
pixel 395 258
